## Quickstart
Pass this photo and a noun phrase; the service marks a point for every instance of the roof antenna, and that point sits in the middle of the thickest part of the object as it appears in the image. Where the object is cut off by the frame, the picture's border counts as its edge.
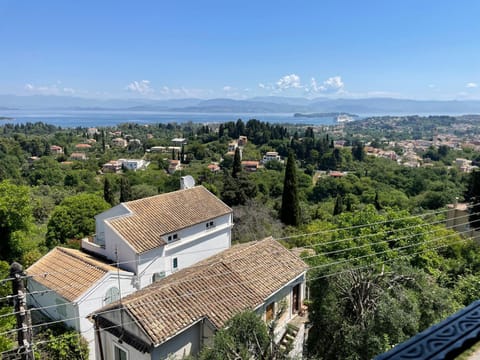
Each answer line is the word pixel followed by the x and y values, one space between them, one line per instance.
pixel 187 182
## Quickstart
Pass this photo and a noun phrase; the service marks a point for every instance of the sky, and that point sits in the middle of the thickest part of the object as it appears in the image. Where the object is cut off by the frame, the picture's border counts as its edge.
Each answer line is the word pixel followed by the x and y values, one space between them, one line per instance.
pixel 164 49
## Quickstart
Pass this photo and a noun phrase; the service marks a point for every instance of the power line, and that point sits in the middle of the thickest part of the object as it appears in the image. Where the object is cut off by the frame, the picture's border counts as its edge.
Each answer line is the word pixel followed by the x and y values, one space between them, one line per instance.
pixel 316 255
pixel 163 300
pixel 320 244
pixel 257 280
pixel 283 238
pixel 369 224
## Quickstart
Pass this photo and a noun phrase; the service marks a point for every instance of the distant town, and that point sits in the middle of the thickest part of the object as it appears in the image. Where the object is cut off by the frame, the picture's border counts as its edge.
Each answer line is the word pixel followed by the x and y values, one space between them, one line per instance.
pixel 158 240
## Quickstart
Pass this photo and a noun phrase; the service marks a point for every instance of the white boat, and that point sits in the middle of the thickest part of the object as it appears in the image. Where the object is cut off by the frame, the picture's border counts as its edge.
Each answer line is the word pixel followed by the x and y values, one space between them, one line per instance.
pixel 344 118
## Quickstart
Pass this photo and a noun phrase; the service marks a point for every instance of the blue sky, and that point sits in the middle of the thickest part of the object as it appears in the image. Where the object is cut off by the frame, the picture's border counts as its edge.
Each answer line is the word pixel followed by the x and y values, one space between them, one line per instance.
pixel 418 49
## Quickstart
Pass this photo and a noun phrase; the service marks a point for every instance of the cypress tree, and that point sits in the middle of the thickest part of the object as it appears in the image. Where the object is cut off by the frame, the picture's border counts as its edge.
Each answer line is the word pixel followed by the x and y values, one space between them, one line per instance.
pixel 103 141
pixel 473 195
pixel 237 163
pixel 125 189
pixel 376 202
pixel 338 209
pixel 108 192
pixel 290 211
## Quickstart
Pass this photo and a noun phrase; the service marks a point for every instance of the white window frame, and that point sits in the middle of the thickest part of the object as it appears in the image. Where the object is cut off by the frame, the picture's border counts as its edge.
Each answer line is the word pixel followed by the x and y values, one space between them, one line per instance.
pixel 172 238
pixel 116 345
pixel 174 260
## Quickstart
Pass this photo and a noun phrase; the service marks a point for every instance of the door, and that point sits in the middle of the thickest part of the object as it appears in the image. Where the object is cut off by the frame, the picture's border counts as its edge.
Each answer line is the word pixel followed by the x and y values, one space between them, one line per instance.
pixel 296 299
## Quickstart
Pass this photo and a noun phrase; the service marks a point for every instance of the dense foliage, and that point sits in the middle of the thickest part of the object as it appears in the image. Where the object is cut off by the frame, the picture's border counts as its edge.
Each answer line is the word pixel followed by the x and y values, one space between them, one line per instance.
pixel 359 216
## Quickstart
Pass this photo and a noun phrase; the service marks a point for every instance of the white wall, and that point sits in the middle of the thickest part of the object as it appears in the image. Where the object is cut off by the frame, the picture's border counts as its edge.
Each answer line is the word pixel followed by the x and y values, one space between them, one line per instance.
pixel 109 341
pixel 46 299
pixel 195 244
pixel 127 257
pixel 94 299
pixel 77 312
pixel 184 344
pixel 284 294
pixel 100 221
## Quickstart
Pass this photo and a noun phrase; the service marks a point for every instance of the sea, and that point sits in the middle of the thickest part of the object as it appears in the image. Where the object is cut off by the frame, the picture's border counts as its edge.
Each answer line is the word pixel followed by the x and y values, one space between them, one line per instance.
pixel 110 118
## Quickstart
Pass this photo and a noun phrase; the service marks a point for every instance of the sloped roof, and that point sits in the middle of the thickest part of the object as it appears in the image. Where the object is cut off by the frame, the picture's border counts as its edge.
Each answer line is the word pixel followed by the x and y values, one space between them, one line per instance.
pixel 163 214
pixel 69 272
pixel 236 279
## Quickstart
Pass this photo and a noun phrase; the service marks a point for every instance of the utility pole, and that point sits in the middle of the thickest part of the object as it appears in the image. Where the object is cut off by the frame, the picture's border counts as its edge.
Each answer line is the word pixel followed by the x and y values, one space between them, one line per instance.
pixel 24 323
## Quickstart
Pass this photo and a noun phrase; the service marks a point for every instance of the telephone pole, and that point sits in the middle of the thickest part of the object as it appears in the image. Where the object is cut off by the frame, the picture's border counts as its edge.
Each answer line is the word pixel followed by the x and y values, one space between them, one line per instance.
pixel 24 323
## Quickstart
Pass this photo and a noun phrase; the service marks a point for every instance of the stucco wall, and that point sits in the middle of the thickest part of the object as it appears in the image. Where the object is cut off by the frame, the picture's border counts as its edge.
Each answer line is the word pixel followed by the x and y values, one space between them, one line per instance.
pixel 126 255
pixel 109 341
pixel 195 244
pixel 185 343
pixel 100 221
pixel 49 301
pixel 283 295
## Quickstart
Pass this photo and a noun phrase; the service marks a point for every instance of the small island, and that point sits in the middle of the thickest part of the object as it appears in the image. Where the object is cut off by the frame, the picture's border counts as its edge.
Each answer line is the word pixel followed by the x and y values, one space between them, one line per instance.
pixel 6 118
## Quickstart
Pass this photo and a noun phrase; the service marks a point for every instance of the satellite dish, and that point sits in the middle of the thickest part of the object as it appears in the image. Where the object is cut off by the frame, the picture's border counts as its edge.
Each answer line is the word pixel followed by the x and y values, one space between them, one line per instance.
pixel 187 182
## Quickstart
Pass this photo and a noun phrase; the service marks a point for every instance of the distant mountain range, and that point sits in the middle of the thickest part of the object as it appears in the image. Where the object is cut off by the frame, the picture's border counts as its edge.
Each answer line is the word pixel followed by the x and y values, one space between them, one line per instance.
pixel 272 104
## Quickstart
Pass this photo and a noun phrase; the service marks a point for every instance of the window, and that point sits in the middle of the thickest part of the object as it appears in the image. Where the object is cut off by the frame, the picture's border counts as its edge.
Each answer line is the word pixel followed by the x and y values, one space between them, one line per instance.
pixel 157 276
pixel 119 353
pixel 210 224
pixel 175 264
pixel 269 311
pixel 173 237
pixel 112 294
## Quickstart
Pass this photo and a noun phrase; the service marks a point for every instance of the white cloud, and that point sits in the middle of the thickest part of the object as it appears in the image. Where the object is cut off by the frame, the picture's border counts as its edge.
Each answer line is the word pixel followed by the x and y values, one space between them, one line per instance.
pixel 49 89
pixel 313 85
pixel 142 87
pixel 289 81
pixel 228 88
pixel 471 85
pixel 333 83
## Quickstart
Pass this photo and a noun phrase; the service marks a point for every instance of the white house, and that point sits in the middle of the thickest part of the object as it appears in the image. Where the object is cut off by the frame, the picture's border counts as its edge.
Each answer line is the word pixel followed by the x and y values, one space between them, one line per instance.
pixel 149 238
pixel 177 315
pixel 156 236
pixel 68 284
pixel 271 155
pixel 134 164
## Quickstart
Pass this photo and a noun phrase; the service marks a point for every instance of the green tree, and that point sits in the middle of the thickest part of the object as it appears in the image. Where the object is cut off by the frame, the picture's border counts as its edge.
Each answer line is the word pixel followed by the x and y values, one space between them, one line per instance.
pixel 290 211
pixel 108 191
pixel 358 152
pixel 338 208
pixel 237 191
pixel 62 344
pixel 15 217
pixel 244 337
pixel 360 314
pixel 125 189
pixel 473 196
pixel 237 163
pixel 74 218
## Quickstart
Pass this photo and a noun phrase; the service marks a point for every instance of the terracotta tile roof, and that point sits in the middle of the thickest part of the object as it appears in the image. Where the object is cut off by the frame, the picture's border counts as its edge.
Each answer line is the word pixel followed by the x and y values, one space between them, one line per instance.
pixel 162 214
pixel 83 146
pixel 70 272
pixel 236 279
